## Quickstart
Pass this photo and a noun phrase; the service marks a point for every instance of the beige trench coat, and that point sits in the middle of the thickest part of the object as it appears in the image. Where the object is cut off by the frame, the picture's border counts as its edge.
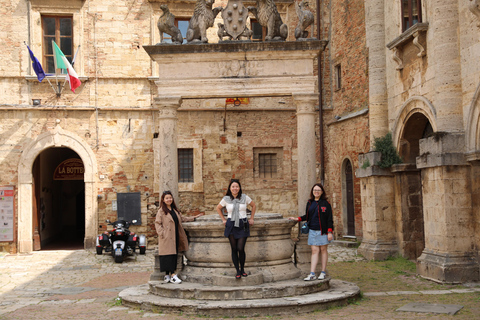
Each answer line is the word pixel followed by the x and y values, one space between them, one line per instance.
pixel 165 227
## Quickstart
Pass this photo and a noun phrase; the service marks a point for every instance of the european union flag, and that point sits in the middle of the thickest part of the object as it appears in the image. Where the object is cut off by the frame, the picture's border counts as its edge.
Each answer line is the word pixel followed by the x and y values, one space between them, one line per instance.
pixel 37 67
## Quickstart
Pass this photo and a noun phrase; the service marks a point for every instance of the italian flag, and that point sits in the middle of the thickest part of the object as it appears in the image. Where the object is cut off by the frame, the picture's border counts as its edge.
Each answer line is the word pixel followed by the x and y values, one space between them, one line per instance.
pixel 61 62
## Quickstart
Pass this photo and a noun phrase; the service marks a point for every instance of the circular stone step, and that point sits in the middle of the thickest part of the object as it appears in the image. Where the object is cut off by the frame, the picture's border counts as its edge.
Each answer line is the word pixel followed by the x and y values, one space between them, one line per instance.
pixel 190 290
pixel 340 293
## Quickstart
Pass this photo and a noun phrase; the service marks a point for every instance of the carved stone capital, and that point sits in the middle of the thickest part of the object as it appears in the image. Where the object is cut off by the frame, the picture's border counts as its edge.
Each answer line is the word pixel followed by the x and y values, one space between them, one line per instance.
pixel 305 102
pixel 167 106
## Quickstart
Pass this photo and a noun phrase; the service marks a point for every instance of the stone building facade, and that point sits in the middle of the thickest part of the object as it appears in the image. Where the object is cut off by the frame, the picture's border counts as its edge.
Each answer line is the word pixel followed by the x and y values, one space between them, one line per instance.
pixel 423 88
pixel 113 123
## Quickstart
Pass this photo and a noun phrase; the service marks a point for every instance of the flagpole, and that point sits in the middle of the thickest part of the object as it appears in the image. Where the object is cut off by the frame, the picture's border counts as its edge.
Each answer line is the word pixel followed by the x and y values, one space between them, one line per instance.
pixel 55 64
pixel 73 63
pixel 46 77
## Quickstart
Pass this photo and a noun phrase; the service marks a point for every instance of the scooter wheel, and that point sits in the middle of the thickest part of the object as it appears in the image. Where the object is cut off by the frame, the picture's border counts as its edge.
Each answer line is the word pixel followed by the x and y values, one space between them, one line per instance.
pixel 118 259
pixel 143 250
pixel 99 250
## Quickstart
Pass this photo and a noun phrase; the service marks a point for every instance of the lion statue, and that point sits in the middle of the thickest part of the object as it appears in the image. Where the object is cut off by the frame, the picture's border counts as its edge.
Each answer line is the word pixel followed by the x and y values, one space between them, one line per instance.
pixel 305 19
pixel 166 24
pixel 267 15
pixel 202 19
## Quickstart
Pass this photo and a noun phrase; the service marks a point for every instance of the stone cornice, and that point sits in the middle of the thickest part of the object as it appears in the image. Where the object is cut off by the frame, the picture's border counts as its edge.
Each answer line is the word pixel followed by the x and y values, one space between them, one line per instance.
pixel 236 47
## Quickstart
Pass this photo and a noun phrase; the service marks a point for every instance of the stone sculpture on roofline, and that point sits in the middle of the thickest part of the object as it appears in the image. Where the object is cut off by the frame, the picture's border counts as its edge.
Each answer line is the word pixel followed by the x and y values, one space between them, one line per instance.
pixel 305 19
pixel 234 26
pixel 202 19
pixel 166 24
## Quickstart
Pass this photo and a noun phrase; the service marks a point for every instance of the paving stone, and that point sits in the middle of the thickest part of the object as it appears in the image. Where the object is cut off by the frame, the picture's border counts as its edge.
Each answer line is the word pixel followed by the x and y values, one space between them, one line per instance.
pixel 118 309
pixel 431 308
pixel 396 293
pixel 436 291
pixel 86 300
pixel 375 294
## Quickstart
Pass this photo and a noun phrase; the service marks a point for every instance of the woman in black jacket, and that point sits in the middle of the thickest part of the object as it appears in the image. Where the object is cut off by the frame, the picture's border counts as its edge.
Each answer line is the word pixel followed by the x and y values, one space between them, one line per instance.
pixel 318 214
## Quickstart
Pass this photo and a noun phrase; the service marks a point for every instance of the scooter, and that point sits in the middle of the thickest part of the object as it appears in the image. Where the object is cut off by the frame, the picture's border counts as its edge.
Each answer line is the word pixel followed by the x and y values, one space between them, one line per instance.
pixel 120 241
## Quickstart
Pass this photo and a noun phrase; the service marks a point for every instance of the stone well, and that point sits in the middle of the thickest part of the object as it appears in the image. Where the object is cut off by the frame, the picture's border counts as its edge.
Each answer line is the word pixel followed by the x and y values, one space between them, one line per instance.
pixel 274 284
pixel 269 251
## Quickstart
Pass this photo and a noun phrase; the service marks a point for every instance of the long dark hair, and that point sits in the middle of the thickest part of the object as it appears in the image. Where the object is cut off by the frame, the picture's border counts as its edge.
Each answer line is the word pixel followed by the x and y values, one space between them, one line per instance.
pixel 229 192
pixel 163 205
pixel 324 194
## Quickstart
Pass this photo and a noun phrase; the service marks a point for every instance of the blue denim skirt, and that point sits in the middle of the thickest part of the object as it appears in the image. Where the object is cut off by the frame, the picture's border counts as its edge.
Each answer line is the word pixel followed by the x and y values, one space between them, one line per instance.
pixel 316 238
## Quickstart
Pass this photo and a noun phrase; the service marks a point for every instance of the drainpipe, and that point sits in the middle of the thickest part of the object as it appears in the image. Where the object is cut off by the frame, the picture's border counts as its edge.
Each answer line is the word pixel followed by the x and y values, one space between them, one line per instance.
pixel 320 102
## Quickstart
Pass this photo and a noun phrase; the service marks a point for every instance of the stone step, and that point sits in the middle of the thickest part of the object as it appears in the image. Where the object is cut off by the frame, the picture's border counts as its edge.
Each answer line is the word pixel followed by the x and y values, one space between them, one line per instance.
pixel 191 290
pixel 340 293
pixel 345 243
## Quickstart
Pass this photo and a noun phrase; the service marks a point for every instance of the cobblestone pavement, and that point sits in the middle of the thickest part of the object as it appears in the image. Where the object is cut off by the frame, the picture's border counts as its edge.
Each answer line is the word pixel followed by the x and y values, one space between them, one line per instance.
pixel 80 282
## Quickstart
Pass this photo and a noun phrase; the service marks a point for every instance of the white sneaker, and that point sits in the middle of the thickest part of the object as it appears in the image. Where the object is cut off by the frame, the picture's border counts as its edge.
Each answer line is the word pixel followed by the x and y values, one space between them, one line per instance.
pixel 310 277
pixel 322 275
pixel 175 279
pixel 167 279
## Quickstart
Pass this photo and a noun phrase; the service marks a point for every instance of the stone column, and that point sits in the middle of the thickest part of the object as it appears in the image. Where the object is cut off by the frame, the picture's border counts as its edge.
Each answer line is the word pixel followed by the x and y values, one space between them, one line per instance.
pixel 25 232
pixel 449 254
pixel 446 54
pixel 91 216
pixel 306 146
pixel 167 136
pixel 377 85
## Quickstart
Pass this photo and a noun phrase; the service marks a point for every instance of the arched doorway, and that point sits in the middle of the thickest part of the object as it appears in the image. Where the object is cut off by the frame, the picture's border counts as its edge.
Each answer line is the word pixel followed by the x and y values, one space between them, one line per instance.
pixel 57 138
pixel 59 200
pixel 348 199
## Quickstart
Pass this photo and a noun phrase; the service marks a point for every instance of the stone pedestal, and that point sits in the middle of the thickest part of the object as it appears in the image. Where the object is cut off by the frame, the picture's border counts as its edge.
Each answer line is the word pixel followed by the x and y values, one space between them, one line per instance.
pixel 378 209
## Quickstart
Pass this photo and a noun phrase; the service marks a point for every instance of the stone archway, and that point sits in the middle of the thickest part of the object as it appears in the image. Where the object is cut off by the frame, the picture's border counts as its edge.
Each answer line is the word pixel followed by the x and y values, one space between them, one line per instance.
pixel 55 138
pixel 415 122
pixel 421 109
pixel 472 132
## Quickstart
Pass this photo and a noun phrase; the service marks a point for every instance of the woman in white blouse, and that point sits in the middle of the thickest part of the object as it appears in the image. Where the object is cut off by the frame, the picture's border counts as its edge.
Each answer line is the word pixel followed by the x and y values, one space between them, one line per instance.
pixel 237 225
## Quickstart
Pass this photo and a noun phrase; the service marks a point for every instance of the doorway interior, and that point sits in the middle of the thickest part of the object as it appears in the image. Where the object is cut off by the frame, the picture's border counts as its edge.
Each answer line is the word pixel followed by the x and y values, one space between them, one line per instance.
pixel 58 203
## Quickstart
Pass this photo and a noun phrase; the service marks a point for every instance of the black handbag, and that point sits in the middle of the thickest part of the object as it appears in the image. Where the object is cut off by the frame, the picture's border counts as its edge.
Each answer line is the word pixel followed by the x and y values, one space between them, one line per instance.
pixel 305 229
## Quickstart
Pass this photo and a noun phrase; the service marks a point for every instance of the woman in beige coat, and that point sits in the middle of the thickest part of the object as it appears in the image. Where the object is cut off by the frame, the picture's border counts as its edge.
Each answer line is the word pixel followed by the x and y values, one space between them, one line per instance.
pixel 172 238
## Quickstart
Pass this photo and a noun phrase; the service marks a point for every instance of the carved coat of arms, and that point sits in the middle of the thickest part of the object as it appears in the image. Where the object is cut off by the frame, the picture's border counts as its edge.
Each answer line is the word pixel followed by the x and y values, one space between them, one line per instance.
pixel 235 19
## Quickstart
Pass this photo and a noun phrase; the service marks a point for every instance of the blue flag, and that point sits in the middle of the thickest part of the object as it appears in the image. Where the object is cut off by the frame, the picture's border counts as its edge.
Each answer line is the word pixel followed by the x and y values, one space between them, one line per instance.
pixel 37 67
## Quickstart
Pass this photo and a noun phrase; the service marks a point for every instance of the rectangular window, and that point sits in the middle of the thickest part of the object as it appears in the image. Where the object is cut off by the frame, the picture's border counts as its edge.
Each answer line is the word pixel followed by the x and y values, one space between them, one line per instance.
pixel 259 32
pixel 338 77
pixel 185 165
pixel 267 165
pixel 182 25
pixel 411 13
pixel 60 30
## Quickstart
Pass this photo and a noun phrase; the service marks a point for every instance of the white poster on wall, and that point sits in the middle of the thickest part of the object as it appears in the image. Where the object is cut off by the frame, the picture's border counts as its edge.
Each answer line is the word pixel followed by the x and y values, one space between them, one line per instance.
pixel 7 194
